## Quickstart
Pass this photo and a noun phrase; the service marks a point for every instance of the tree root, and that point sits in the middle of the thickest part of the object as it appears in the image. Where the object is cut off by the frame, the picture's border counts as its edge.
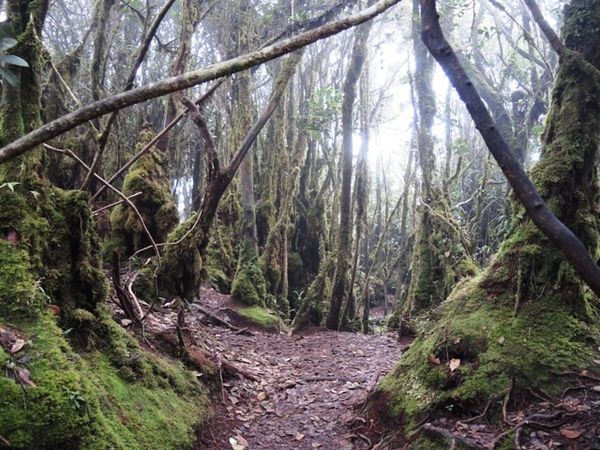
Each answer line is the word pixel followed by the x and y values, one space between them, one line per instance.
pixel 432 430
pixel 492 399
pixel 235 370
pixel 532 421
pixel 128 304
pixel 212 318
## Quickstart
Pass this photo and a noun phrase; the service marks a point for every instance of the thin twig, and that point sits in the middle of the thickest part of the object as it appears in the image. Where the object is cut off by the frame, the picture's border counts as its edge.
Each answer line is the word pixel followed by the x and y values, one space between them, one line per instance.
pixel 112 205
pixel 156 138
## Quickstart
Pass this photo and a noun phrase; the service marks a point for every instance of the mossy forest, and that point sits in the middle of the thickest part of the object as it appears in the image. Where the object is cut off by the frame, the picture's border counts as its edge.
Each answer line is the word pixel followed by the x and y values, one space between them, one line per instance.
pixel 300 224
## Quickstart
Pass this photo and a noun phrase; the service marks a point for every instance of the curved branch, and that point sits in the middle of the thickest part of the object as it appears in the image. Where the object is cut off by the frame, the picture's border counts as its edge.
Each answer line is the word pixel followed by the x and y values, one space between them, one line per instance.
pixel 572 248
pixel 187 80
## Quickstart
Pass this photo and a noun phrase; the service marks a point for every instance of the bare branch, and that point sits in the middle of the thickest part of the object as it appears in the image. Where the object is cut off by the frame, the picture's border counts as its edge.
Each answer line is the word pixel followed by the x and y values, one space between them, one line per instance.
pixel 556 231
pixel 552 37
pixel 112 205
pixel 187 80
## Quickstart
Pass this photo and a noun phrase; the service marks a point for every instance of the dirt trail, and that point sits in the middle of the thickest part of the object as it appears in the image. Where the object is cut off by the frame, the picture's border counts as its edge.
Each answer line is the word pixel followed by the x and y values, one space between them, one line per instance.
pixel 309 390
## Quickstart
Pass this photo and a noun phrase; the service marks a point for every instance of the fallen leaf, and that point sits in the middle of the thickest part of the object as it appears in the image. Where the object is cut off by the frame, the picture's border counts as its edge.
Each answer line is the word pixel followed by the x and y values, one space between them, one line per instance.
pixel 501 340
pixel 316 445
pixel 24 376
pixel 299 436
pixel 569 433
pixel 242 441
pixel 235 444
pixel 18 345
pixel 434 360
pixel 454 364
pixel 7 339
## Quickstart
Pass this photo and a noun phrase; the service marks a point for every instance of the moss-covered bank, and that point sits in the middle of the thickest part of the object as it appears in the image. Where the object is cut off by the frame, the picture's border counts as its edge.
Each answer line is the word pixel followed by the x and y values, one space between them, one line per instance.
pixel 528 316
pixel 74 379
pixel 116 396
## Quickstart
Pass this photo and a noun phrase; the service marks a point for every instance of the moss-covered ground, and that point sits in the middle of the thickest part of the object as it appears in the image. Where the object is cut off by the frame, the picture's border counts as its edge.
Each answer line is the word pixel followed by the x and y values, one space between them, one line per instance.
pixel 260 316
pixel 115 396
pixel 496 349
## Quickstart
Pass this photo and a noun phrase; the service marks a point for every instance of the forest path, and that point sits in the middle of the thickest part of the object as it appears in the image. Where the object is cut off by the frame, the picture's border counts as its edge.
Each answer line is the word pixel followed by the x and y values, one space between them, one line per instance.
pixel 310 385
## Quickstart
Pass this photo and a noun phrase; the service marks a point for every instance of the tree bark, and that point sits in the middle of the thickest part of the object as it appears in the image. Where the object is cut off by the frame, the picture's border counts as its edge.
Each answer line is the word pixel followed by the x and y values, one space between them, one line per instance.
pixel 340 282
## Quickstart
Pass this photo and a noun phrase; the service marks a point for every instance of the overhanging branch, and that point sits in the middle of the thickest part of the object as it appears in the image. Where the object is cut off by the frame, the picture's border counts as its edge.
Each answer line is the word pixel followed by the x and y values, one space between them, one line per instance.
pixel 572 248
pixel 187 80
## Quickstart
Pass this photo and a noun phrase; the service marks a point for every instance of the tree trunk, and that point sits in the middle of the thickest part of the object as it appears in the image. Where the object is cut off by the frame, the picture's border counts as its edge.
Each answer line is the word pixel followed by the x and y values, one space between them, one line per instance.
pixel 439 258
pixel 528 316
pixel 340 282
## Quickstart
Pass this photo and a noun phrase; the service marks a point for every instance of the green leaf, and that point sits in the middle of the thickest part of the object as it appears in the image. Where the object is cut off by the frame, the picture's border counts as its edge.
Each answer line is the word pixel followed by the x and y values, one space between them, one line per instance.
pixel 14 60
pixel 7 42
pixel 9 77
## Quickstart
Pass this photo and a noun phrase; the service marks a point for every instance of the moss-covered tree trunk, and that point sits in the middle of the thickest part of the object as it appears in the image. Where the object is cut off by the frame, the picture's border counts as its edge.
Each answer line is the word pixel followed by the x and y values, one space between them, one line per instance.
pixel 248 283
pixel 281 189
pixel 438 257
pixel 339 293
pixel 528 316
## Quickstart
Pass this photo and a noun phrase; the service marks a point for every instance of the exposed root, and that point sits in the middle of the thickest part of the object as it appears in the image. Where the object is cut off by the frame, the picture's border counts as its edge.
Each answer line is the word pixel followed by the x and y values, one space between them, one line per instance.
pixel 437 432
pixel 492 399
pixel 212 318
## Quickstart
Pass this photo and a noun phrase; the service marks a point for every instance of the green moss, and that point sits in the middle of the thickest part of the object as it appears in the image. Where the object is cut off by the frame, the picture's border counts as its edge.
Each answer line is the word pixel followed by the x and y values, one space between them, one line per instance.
pixel 81 401
pixel 148 175
pixel 260 316
pixel 57 246
pixel 494 347
pixel 181 266
pixel 17 287
pixel 221 258
pixel 248 284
